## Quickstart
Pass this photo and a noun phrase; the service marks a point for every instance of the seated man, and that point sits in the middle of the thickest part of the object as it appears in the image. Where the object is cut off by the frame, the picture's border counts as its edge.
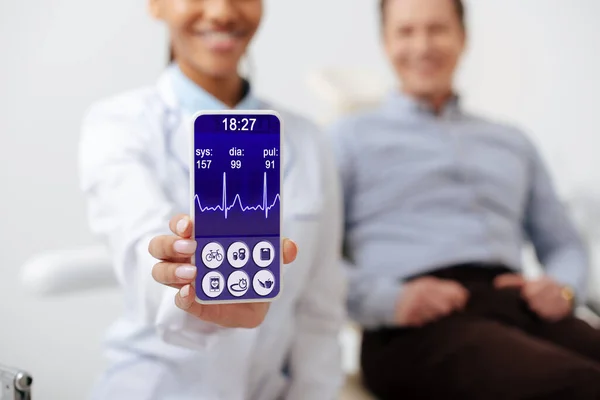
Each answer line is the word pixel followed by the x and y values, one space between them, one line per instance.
pixel 438 206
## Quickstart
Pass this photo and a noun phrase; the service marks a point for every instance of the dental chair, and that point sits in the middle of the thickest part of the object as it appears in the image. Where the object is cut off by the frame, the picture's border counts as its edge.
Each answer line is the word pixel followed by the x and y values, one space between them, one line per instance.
pixel 70 271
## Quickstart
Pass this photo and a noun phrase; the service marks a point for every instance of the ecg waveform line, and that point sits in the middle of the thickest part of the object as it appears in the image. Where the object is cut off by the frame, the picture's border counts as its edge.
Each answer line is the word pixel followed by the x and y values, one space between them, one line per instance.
pixel 224 207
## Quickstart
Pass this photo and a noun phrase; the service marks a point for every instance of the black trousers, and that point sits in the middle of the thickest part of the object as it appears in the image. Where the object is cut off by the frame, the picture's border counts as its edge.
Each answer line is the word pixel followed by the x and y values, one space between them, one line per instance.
pixel 495 349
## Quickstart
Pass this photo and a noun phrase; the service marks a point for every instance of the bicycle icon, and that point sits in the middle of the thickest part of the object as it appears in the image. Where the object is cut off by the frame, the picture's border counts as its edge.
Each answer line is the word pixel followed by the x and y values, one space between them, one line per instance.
pixel 214 255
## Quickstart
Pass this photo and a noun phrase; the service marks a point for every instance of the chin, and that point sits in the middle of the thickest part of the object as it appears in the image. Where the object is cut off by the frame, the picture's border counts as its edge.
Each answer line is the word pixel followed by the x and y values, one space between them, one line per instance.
pixel 420 91
pixel 223 73
pixel 220 71
pixel 426 90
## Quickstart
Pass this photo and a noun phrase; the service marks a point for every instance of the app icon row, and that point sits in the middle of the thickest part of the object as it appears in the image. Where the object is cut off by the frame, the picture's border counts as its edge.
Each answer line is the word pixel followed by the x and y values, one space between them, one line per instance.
pixel 238 254
pixel 238 283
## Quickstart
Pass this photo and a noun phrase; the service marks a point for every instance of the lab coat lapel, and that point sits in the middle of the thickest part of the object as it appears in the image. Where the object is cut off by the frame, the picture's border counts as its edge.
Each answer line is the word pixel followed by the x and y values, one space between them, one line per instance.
pixel 178 130
pixel 181 141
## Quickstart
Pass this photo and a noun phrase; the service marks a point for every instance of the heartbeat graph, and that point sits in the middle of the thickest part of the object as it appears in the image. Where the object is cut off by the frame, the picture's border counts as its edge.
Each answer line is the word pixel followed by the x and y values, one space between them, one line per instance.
pixel 224 207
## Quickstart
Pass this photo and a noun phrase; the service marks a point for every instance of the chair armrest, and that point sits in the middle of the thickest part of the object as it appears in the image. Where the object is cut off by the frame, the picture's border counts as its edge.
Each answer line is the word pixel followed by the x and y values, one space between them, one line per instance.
pixel 69 270
pixel 350 339
pixel 584 209
pixel 354 390
pixel 589 315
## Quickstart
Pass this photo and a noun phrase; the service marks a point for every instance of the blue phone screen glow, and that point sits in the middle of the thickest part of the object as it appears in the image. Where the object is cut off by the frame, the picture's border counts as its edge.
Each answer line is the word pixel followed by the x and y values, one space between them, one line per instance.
pixel 237 206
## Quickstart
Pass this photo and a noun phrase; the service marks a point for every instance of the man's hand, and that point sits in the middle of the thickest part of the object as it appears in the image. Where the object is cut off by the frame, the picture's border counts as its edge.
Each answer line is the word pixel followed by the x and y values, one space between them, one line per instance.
pixel 427 299
pixel 176 270
pixel 544 296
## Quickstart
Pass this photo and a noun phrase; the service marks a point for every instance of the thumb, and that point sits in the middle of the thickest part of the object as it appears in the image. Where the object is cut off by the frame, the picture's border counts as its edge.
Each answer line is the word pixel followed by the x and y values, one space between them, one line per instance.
pixel 290 251
pixel 509 281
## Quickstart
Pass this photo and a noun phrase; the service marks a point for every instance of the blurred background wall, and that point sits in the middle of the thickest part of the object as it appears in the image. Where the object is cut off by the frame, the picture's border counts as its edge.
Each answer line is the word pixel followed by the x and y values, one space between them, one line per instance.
pixel 535 63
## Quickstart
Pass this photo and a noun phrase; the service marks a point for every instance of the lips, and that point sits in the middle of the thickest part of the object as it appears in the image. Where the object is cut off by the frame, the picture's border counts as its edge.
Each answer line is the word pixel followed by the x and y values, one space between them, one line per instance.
pixel 221 41
pixel 424 66
pixel 426 69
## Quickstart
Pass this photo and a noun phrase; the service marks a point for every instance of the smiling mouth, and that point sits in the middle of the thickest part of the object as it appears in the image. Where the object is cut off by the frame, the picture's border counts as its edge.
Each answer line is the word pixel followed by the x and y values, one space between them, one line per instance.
pixel 221 41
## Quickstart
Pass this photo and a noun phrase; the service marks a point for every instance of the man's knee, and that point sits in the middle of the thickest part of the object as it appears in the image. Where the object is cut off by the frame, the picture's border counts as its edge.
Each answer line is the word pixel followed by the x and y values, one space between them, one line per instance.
pixel 579 380
pixel 586 383
pixel 574 334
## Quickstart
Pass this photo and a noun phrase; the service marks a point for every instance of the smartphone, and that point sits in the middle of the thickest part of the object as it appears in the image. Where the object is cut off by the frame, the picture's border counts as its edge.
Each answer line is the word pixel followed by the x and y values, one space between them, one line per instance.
pixel 16 384
pixel 236 207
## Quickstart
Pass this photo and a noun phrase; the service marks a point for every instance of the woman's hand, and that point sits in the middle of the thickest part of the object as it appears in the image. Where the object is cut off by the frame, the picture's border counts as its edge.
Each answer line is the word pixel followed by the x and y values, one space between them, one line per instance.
pixel 176 270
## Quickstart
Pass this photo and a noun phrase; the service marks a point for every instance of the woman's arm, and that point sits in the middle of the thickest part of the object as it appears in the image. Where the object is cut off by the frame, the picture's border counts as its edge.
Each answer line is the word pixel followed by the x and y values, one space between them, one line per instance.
pixel 127 208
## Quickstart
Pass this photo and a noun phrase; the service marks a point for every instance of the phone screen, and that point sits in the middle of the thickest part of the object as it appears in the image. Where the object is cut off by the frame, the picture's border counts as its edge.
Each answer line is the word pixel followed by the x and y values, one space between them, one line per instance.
pixel 236 206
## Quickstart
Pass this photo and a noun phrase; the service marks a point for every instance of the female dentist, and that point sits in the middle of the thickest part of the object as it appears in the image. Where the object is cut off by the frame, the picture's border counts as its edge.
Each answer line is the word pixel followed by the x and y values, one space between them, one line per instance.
pixel 134 168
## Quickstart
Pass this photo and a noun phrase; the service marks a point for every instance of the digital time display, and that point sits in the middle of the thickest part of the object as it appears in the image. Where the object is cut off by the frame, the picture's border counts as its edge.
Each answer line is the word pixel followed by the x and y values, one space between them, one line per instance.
pixel 237 205
pixel 239 124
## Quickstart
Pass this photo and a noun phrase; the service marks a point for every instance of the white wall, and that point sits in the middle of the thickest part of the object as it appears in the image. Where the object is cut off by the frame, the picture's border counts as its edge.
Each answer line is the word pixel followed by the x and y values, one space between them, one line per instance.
pixel 537 63
pixel 534 63
pixel 58 56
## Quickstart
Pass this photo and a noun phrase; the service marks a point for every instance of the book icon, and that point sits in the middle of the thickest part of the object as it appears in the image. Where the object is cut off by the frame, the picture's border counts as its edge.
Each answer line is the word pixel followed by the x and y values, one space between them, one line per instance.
pixel 265 254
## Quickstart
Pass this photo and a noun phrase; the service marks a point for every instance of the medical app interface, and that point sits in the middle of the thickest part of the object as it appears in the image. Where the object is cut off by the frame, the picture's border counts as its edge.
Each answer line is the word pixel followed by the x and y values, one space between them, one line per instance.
pixel 237 205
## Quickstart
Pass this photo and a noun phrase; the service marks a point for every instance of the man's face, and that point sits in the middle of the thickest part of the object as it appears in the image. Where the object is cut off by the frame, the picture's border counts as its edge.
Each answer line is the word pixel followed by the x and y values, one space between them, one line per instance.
pixel 424 40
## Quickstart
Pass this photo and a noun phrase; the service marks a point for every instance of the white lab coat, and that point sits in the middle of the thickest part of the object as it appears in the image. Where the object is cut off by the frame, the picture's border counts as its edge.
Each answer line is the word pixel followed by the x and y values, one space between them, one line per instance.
pixel 134 170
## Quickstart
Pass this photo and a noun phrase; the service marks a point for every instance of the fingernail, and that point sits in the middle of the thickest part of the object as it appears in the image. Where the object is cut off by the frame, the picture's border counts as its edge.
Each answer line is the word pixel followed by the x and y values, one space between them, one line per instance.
pixel 185 272
pixel 185 246
pixel 182 225
pixel 184 291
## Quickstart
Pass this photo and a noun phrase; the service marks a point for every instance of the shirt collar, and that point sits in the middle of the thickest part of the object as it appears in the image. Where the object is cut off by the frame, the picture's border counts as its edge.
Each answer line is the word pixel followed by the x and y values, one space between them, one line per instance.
pixel 192 98
pixel 398 102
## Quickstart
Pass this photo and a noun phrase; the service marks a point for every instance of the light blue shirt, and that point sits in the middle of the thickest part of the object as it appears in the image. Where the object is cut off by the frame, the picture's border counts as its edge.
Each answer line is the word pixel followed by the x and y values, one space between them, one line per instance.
pixel 193 98
pixel 426 191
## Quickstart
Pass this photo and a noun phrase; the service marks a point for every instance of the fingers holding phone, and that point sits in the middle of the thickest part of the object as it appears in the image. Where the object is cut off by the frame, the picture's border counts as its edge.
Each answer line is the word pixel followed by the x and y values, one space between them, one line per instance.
pixel 175 270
